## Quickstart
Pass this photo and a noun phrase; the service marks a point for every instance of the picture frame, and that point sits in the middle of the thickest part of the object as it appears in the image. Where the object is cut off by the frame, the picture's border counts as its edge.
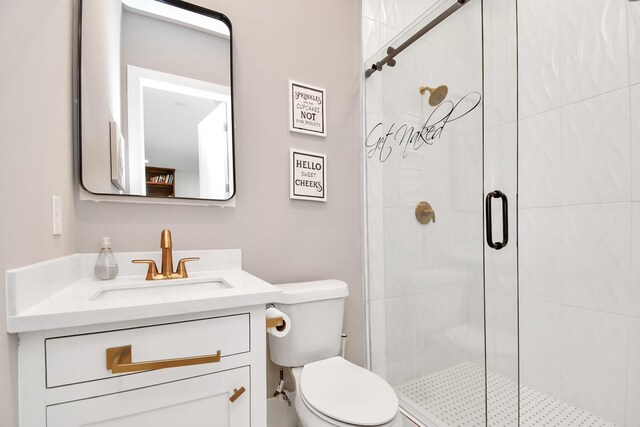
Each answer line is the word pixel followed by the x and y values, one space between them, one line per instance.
pixel 307 110
pixel 308 176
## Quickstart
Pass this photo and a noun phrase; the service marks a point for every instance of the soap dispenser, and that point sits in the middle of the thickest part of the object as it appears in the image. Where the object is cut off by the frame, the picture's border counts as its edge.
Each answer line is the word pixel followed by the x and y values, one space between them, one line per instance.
pixel 106 266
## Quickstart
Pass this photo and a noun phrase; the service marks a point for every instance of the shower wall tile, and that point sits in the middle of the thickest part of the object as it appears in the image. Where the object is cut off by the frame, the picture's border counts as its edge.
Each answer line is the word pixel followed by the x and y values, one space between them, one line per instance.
pixel 596 246
pixel 540 253
pixel 501 269
pixel 428 258
pixel 378 337
pixel 595 134
pixel 370 38
pixel 502 333
pixel 374 168
pixel 500 88
pixel 633 16
pixel 402 337
pixel 593 48
pixel 539 68
pixel 633 387
pixel 422 334
pixel 594 362
pixel 390 13
pixel 466 182
pixel 500 159
pixel 444 337
pixel 530 11
pixel 497 23
pixel 375 255
pixel 634 290
pixel 635 142
pixel 400 98
pixel 541 346
pixel 540 166
pixel 387 33
pixel 371 9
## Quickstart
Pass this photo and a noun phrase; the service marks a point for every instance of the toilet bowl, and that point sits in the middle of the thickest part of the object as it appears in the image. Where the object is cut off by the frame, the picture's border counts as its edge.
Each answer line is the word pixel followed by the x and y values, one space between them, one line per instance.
pixel 335 392
pixel 330 390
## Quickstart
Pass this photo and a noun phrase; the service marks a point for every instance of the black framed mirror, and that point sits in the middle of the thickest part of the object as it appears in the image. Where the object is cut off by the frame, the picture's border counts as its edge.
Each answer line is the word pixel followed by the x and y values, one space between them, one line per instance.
pixel 154 100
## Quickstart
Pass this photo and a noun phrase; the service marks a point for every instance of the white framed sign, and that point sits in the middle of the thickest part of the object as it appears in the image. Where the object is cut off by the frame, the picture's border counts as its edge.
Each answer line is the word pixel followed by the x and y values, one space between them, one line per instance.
pixel 308 176
pixel 307 113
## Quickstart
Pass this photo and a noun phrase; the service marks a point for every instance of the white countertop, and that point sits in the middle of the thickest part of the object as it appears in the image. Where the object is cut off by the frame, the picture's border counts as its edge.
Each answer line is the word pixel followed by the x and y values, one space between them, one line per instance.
pixel 62 293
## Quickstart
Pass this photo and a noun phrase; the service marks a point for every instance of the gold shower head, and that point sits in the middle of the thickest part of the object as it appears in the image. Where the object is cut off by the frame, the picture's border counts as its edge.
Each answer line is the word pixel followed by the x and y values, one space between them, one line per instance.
pixel 437 95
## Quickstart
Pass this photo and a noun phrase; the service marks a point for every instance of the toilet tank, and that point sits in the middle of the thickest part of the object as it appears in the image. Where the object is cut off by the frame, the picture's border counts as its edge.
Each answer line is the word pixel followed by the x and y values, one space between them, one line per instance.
pixel 316 310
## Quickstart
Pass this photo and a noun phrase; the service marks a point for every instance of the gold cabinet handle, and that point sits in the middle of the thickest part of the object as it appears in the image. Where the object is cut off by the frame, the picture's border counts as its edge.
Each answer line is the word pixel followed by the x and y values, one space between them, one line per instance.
pixel 237 392
pixel 119 360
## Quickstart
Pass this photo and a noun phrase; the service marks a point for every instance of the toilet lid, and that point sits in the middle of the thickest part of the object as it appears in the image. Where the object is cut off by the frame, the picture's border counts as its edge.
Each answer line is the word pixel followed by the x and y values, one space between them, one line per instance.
pixel 348 393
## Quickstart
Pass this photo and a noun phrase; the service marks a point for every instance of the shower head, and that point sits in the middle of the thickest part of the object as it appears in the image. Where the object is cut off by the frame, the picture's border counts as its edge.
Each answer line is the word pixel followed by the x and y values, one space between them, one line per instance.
pixel 437 95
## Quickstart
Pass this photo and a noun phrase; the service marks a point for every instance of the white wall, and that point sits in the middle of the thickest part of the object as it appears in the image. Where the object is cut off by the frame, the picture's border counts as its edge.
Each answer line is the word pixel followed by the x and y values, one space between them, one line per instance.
pixel 36 151
pixel 172 48
pixel 580 203
pixel 282 240
pixel 101 104
pixel 187 183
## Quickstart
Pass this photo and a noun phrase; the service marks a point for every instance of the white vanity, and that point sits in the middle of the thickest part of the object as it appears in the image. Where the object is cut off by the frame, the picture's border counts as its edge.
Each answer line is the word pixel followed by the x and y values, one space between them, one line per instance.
pixel 130 352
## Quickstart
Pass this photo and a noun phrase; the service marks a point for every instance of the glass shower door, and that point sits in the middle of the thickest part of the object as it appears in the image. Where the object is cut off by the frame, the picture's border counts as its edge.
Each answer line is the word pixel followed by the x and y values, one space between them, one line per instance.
pixel 425 214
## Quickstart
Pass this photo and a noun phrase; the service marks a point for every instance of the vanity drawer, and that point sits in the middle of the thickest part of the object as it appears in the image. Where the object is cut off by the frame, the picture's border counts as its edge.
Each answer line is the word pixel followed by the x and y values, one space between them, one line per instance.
pixel 80 358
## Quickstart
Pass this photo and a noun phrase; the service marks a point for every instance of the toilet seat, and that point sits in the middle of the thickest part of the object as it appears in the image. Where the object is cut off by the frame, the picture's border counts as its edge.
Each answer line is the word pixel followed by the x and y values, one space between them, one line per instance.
pixel 346 394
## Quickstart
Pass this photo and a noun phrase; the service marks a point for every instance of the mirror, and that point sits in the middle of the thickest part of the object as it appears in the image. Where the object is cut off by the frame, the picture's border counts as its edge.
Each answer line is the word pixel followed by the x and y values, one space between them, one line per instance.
pixel 155 113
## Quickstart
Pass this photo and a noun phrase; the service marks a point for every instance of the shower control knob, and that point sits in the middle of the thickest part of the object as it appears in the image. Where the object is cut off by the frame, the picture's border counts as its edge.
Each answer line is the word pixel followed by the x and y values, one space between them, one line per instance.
pixel 425 213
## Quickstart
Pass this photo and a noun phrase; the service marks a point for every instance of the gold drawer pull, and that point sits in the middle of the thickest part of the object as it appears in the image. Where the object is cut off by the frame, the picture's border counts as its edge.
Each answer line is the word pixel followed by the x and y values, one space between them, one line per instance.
pixel 274 322
pixel 119 360
pixel 237 392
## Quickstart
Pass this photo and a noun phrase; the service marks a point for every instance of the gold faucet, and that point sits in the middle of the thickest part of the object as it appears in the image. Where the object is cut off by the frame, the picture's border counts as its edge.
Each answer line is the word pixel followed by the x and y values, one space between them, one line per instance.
pixel 167 261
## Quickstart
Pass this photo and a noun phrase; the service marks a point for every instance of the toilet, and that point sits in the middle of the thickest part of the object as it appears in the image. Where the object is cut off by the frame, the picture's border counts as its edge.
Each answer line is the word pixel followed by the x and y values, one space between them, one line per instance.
pixel 330 391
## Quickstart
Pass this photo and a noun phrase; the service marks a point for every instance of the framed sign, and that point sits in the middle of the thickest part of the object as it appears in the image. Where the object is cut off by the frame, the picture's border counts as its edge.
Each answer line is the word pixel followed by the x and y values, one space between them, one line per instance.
pixel 307 113
pixel 308 176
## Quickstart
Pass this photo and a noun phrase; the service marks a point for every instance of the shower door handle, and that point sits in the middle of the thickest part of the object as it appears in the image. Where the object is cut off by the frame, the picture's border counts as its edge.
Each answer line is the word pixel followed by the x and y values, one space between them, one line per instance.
pixel 505 219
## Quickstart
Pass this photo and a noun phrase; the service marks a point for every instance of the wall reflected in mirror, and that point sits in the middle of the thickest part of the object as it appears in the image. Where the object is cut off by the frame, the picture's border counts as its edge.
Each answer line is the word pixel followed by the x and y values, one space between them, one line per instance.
pixel 155 100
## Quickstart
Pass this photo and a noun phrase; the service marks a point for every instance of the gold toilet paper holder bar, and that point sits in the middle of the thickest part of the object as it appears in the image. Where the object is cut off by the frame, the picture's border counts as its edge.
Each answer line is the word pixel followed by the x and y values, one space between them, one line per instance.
pixel 275 322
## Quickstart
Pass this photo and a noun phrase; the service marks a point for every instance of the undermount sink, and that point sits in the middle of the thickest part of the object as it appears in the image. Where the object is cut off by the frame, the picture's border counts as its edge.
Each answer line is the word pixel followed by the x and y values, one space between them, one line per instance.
pixel 159 289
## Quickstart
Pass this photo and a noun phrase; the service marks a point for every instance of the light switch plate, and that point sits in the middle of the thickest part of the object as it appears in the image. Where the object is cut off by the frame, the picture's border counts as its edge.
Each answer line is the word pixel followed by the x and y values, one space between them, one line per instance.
pixel 56 209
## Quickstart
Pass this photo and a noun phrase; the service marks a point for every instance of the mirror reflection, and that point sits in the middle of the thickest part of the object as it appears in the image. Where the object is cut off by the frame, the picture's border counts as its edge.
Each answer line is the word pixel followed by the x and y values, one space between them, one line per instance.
pixel 156 104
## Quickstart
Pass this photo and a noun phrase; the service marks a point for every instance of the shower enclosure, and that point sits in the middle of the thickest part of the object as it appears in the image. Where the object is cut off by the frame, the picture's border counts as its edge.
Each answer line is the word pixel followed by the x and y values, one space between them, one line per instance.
pixel 499 210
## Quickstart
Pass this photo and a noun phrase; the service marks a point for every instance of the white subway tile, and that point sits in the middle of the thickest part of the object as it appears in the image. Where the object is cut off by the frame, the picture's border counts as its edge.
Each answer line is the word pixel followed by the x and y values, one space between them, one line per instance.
pixel 596 243
pixel 541 346
pixel 593 48
pixel 540 165
pixel 538 66
pixel 594 362
pixel 633 387
pixel 540 249
pixel 596 147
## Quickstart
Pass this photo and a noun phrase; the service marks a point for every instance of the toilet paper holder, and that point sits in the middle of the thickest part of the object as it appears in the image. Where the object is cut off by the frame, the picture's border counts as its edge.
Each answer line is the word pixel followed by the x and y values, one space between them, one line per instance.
pixel 275 322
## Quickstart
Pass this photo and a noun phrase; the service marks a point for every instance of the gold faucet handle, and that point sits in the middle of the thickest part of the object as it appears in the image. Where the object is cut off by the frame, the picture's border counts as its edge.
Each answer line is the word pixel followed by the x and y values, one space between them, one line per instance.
pixel 182 269
pixel 152 271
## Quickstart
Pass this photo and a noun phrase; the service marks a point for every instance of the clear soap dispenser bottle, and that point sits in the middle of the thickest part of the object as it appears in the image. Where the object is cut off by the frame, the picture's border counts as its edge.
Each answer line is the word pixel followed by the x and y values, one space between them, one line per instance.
pixel 106 266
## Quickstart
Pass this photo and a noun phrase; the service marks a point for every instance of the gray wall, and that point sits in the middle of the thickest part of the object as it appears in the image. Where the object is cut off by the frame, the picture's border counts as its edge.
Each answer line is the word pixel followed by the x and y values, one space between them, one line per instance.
pixel 282 240
pixel 171 48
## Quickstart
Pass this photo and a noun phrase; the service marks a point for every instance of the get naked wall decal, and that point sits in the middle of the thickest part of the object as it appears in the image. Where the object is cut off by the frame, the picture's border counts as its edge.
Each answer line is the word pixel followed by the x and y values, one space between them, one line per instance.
pixel 383 140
